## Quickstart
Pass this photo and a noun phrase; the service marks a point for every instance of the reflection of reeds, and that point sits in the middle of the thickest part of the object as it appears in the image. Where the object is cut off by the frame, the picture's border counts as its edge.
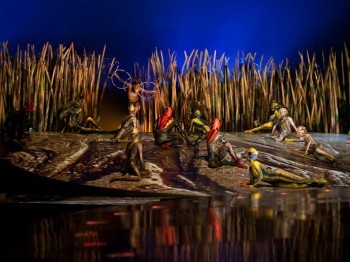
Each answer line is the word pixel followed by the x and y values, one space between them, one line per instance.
pixel 312 91
pixel 49 80
pixel 287 229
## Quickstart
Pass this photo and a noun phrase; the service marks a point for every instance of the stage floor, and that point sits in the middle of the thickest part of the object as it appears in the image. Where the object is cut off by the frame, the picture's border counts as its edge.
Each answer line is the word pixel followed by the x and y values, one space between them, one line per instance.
pixel 92 160
pixel 59 191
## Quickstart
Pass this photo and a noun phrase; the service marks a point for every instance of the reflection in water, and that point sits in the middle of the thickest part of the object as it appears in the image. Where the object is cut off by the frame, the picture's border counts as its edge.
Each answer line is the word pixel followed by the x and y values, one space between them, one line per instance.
pixel 298 225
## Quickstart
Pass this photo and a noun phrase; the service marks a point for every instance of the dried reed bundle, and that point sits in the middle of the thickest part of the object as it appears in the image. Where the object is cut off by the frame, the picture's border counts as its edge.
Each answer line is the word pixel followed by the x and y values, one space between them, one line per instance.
pixel 236 95
pixel 50 80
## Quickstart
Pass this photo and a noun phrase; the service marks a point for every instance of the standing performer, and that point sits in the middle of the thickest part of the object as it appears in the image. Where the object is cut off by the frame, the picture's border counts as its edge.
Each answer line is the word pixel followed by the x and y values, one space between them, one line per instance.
pixel 128 123
pixel 134 89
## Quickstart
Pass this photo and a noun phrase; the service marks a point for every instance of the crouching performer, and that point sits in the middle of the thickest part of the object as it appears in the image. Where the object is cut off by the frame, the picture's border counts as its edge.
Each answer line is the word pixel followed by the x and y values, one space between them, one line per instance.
pixel 198 125
pixel 163 128
pixel 218 147
pixel 285 123
pixel 311 145
pixel 135 165
pixel 258 173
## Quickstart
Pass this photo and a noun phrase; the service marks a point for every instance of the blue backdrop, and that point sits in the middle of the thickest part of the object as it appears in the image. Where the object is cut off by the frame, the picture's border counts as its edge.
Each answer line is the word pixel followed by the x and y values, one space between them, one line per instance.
pixel 133 29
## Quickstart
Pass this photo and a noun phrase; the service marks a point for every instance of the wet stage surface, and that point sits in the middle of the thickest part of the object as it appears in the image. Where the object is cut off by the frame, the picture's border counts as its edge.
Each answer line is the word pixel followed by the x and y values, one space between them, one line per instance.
pixel 183 212
pixel 94 160
pixel 275 225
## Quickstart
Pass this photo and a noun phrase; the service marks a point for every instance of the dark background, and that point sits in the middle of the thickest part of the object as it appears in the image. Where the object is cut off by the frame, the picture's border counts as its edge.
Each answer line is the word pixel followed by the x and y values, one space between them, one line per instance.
pixel 133 29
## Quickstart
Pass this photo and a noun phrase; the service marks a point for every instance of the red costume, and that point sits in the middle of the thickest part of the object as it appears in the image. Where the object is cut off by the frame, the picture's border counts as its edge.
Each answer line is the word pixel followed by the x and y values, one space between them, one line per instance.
pixel 217 146
pixel 163 127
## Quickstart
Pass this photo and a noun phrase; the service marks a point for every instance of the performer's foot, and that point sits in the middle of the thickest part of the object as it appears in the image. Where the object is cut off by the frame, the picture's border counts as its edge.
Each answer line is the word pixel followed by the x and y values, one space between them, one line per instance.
pixel 213 164
pixel 240 164
pixel 145 173
pixel 166 146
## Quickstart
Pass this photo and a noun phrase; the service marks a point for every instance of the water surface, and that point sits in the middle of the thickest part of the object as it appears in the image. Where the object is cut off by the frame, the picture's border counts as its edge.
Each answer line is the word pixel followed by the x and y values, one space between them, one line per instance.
pixel 269 225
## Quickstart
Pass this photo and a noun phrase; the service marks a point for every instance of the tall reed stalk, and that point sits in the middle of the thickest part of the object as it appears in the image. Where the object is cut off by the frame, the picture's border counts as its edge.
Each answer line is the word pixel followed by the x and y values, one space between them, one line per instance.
pixel 314 92
pixel 50 79
pixel 311 91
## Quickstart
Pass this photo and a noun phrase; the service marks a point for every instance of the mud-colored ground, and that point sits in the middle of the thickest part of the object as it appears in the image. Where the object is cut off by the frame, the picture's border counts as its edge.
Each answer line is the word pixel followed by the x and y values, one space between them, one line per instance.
pixel 93 160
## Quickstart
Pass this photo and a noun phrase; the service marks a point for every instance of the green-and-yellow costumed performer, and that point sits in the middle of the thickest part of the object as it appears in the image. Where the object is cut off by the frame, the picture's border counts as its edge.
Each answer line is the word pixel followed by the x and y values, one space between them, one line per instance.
pixel 273 119
pixel 258 173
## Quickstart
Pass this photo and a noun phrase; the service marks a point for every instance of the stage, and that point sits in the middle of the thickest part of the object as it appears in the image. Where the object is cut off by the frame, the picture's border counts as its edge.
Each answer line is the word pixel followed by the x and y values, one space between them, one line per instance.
pixel 96 162
pixel 60 191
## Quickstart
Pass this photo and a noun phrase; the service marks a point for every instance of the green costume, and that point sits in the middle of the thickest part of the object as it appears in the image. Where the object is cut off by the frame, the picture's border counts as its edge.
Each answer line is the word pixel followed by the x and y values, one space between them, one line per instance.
pixel 277 177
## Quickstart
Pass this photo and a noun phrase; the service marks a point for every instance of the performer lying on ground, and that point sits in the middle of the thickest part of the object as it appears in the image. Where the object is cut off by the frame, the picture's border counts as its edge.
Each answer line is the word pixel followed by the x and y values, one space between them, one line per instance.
pixel 270 123
pixel 311 145
pixel 258 173
pixel 217 146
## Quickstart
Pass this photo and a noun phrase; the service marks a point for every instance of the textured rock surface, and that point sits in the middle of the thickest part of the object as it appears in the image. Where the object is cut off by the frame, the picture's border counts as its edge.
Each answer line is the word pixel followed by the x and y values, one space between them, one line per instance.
pixel 95 160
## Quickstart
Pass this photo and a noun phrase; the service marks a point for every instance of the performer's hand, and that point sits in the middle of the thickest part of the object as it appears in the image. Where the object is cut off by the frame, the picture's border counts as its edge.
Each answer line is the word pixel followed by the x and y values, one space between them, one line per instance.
pixel 245 185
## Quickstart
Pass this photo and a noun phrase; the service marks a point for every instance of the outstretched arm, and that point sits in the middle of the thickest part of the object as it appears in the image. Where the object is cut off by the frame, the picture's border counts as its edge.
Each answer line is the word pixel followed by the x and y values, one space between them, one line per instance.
pixel 147 91
pixel 190 130
pixel 183 134
pixel 274 127
pixel 257 176
pixel 291 121
pixel 128 85
pixel 307 148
